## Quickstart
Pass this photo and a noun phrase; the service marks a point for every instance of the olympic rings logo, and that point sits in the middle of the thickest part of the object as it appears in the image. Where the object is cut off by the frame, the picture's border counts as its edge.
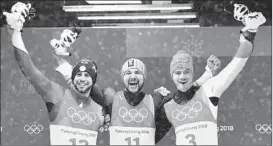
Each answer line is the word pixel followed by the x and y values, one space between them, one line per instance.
pixel 263 128
pixel 191 112
pixel 30 129
pixel 81 116
pixel 133 114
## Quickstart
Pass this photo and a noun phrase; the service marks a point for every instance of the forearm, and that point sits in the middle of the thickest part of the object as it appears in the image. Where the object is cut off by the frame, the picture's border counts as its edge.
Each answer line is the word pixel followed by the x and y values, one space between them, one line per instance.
pixel 17 41
pixel 206 75
pixel 163 125
pixel 223 80
pixel 65 69
pixel 97 95
pixel 246 44
pixel 158 99
pixel 36 78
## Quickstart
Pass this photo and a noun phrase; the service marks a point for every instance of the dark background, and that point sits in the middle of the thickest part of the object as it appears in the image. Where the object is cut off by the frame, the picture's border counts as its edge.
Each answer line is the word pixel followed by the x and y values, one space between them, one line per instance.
pixel 246 103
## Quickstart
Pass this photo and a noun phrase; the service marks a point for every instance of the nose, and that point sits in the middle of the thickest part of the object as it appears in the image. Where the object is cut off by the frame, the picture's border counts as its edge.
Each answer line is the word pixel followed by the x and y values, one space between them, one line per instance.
pixel 182 76
pixel 133 75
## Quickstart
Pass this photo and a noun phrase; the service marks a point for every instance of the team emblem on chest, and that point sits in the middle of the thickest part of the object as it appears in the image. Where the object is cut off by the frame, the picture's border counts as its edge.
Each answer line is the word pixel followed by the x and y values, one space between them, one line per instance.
pixel 187 111
pixel 81 116
pixel 133 114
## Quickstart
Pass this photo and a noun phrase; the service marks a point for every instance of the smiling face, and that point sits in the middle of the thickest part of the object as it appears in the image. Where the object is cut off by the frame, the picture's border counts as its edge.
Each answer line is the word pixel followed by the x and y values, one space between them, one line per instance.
pixel 83 82
pixel 133 80
pixel 183 79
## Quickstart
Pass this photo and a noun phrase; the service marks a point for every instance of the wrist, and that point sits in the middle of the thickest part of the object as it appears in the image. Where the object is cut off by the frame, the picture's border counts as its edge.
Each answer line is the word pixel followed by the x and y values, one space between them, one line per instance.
pixel 209 71
pixel 17 41
pixel 248 34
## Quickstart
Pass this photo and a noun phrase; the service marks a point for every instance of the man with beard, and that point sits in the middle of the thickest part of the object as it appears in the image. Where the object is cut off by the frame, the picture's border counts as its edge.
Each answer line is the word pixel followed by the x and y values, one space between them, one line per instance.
pixel 193 111
pixel 133 111
pixel 74 117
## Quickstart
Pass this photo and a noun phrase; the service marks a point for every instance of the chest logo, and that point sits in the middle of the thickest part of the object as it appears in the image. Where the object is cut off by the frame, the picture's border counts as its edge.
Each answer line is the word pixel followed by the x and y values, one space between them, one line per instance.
pixel 81 116
pixel 187 111
pixel 133 114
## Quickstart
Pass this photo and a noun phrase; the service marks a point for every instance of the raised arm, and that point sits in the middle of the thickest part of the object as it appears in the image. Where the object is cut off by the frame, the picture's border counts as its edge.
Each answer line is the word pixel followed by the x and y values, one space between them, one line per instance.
pixel 49 90
pixel 213 64
pixel 160 94
pixel 218 84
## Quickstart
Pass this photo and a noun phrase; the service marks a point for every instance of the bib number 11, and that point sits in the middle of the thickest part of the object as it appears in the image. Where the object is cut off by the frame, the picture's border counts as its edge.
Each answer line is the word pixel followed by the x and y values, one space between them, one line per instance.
pixel 129 140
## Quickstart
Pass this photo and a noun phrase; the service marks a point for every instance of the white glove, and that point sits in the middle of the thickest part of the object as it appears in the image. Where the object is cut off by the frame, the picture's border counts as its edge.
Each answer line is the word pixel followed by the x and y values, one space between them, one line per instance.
pixel 253 21
pixel 21 8
pixel 163 91
pixel 59 48
pixel 68 36
pixel 213 64
pixel 240 11
pixel 15 20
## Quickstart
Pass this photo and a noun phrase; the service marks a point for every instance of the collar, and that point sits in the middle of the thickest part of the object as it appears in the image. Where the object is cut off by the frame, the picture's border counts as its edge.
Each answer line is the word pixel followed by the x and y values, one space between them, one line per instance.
pixel 134 98
pixel 183 97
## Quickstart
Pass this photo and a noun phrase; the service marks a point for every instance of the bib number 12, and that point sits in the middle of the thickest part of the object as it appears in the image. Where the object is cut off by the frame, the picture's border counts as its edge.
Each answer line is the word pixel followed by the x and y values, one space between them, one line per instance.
pixel 129 140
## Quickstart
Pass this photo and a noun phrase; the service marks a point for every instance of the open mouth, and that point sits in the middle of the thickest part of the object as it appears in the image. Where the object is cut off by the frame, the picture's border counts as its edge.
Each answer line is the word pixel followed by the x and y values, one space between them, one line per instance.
pixel 183 82
pixel 133 84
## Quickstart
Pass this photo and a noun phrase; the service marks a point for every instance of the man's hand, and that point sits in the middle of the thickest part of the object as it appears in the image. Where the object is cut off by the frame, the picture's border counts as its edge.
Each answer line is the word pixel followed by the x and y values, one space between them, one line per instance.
pixel 253 21
pixel 109 94
pixel 213 64
pixel 67 38
pixel 163 91
pixel 21 8
pixel 240 11
pixel 14 20
pixel 59 48
pixel 107 118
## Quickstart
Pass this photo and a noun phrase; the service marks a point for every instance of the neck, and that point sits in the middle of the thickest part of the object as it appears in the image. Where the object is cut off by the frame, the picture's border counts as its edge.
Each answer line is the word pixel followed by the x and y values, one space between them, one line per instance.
pixel 182 97
pixel 135 94
pixel 133 98
pixel 82 97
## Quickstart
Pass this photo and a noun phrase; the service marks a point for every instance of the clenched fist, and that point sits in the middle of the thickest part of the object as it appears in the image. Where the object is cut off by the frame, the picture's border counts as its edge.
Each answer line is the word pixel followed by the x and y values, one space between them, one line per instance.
pixel 14 20
pixel 213 64
pixel 163 91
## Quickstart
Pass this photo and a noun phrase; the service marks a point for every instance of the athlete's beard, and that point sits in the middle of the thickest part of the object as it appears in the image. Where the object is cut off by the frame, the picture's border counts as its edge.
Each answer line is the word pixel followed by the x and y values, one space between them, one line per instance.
pixel 82 91
pixel 140 87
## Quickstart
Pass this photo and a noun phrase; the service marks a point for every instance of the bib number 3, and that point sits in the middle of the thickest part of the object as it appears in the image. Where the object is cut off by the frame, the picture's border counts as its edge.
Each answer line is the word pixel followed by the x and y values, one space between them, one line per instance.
pixel 81 142
pixel 129 140
pixel 191 139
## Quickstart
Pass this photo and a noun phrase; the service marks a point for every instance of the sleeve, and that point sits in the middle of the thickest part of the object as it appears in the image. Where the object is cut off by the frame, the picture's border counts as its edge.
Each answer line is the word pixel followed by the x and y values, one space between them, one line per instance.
pixel 163 127
pixel 66 70
pixel 206 76
pixel 216 86
pixel 158 99
pixel 97 95
pixel 49 90
pixel 109 109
